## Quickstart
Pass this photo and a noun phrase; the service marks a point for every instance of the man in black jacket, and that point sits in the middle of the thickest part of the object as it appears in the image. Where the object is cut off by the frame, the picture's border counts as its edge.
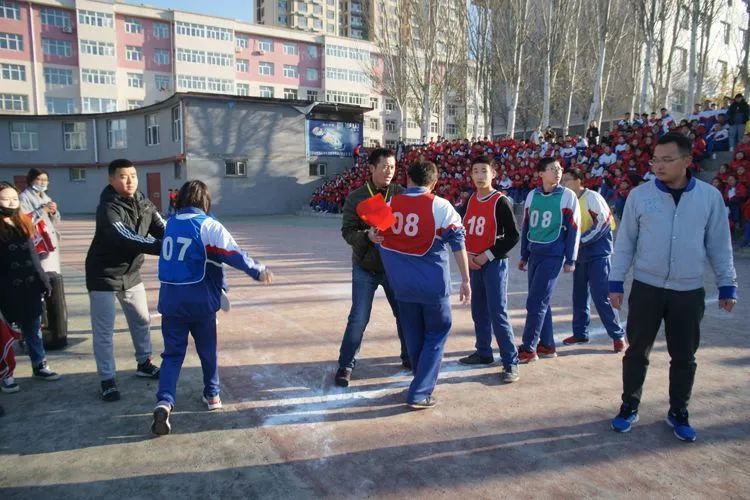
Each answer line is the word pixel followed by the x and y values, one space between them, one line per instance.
pixel 127 226
pixel 737 115
pixel 367 269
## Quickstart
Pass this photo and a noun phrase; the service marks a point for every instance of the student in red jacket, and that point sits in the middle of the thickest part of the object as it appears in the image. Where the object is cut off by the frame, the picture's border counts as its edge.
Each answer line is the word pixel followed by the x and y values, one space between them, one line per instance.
pixel 734 196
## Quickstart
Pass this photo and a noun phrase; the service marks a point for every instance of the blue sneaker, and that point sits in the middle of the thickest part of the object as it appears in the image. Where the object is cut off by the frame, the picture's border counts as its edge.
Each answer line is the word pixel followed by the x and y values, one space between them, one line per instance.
pixel 624 420
pixel 678 420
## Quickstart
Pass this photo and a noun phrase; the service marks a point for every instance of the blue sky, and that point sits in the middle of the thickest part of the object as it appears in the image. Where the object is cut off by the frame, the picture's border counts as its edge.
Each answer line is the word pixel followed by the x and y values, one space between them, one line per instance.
pixel 233 9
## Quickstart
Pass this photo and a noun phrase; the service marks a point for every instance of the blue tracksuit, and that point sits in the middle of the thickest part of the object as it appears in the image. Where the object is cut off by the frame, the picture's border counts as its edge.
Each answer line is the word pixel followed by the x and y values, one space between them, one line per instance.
pixel 549 237
pixel 592 267
pixel 415 257
pixel 194 249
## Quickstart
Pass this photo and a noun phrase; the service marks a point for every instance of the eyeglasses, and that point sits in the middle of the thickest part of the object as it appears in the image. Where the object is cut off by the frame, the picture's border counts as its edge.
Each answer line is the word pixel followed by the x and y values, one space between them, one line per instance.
pixel 553 169
pixel 657 161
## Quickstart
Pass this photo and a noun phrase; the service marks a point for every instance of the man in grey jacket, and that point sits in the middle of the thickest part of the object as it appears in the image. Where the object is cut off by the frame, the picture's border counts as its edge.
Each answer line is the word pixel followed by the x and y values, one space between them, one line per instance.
pixel 669 228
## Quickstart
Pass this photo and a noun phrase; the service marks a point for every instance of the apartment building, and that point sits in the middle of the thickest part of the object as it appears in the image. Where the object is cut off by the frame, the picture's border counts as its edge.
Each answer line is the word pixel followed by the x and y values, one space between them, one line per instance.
pixel 345 18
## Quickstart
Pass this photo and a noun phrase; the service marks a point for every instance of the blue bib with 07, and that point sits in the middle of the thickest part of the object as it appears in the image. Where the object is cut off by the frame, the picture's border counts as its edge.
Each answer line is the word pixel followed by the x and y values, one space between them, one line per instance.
pixel 183 255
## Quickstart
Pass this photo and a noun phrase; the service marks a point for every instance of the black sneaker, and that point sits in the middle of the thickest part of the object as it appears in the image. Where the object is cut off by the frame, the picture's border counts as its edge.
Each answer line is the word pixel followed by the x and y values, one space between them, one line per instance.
pixel 109 390
pixel 343 376
pixel 477 359
pixel 43 372
pixel 161 425
pixel 428 402
pixel 510 374
pixel 147 369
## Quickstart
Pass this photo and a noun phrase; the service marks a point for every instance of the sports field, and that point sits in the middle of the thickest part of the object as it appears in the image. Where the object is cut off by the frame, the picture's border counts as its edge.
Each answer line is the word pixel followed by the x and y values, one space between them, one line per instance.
pixel 287 432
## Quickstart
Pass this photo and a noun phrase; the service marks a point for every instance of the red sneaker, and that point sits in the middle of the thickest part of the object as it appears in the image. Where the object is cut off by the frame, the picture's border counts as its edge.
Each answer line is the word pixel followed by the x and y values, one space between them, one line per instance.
pixel 546 352
pixel 619 345
pixel 525 357
pixel 575 340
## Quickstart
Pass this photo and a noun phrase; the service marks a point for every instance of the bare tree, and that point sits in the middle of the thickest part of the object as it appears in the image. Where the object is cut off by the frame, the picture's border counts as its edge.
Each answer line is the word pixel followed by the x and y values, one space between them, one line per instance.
pixel 708 13
pixel 602 10
pixel 667 31
pixel 573 66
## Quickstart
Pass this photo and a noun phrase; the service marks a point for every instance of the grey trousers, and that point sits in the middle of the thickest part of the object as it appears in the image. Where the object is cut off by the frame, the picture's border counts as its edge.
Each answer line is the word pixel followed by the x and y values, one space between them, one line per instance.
pixel 135 307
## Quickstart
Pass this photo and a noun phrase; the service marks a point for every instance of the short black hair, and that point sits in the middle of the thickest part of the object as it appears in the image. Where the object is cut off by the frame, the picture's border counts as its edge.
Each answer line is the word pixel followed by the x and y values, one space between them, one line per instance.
pixel 422 173
pixel 576 173
pixel 379 153
pixel 544 163
pixel 114 165
pixel 684 144
pixel 33 174
pixel 483 159
pixel 194 194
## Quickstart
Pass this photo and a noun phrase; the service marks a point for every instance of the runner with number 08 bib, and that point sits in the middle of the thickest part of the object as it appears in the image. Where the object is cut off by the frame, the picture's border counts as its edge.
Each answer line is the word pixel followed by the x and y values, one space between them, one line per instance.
pixel 490 234
pixel 549 241
pixel 414 251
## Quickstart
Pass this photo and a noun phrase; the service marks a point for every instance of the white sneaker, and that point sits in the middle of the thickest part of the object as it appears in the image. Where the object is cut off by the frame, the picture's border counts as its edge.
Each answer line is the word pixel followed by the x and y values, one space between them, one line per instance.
pixel 225 304
pixel 214 403
pixel 9 385
pixel 161 425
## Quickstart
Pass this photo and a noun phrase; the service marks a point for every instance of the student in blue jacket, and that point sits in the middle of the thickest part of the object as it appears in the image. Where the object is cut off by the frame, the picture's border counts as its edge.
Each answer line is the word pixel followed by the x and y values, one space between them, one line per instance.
pixel 194 249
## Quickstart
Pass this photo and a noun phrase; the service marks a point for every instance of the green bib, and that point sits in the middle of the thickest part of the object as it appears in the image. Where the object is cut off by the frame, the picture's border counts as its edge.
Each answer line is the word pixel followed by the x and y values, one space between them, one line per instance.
pixel 545 217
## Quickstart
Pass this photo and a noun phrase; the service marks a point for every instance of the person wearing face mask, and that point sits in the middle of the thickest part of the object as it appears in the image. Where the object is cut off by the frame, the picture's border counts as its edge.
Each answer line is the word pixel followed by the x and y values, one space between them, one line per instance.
pixel 35 201
pixel 23 284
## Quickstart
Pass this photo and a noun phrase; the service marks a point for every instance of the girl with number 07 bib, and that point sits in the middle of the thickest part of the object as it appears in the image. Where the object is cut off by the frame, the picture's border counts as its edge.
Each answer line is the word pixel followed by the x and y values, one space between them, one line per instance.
pixel 194 249
pixel 549 241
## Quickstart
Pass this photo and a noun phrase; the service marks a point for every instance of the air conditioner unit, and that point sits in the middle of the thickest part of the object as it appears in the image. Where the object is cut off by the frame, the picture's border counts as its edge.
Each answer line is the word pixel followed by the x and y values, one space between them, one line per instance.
pixel 260 52
pixel 67 29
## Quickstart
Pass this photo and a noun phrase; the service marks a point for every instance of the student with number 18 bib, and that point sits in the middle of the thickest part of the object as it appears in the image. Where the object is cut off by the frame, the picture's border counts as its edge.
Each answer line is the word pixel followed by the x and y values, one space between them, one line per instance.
pixel 490 234
pixel 414 251
pixel 194 250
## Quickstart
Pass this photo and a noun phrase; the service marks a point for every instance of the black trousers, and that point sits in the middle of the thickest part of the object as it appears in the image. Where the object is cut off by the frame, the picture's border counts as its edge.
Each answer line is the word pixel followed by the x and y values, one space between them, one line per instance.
pixel 682 313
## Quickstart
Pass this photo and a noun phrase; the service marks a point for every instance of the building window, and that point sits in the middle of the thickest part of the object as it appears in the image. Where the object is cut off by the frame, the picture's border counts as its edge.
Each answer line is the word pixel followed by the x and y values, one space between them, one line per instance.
pixel 265 68
pixel 290 94
pixel 161 57
pixel 97 105
pixel 24 136
pixel 216 33
pixel 133 53
pixel 266 91
pixel 77 174
pixel 218 59
pixel 684 18
pixel 390 125
pixel 10 10
pixel 161 30
pixel 451 129
pixel 242 65
pixel 93 18
pixel 726 27
pixel 134 104
pixel 98 77
pixel 312 75
pixel 411 124
pixel 133 25
pixel 57 48
pixel 682 58
pixel 190 29
pixel 191 82
pixel 162 82
pixel 152 130
pixel 265 45
pixel 14 72
pixel 11 41
pixel 178 170
pixel 14 102
pixel 452 109
pixel 318 169
pixel 176 124
pixel 291 49
pixel 117 134
pixel 243 89
pixel 290 71
pixel 135 80
pixel 389 105
pixel 391 144
pixel 235 168
pixel 242 42
pixel 220 85
pixel 312 95
pixel 312 51
pixel 55 17
pixel 722 67
pixel 433 128
pixel 374 124
pixel 95 48
pixel 60 106
pixel 374 102
pixel 74 136
pixel 191 56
